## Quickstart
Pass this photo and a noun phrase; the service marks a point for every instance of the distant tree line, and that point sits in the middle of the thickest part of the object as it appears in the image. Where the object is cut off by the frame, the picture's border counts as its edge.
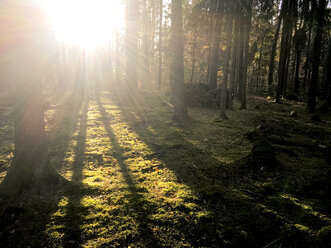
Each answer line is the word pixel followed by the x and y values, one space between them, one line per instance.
pixel 278 48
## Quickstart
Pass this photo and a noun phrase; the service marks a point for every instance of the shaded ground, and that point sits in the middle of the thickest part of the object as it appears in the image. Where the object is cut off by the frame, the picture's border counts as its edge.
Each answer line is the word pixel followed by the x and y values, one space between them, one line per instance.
pixel 141 180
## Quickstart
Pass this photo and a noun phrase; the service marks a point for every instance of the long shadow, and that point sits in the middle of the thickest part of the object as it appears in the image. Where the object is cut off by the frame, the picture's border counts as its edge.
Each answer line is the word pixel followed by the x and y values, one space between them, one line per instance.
pixel 30 212
pixel 145 234
pixel 74 210
pixel 65 126
pixel 208 178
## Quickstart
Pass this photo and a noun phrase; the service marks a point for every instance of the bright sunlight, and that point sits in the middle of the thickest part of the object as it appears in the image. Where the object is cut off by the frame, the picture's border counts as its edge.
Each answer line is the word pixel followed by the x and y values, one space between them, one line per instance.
pixel 87 23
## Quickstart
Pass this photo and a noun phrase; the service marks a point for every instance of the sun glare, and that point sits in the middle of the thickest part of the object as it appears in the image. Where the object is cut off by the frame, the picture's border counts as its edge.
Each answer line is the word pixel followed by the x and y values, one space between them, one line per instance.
pixel 87 23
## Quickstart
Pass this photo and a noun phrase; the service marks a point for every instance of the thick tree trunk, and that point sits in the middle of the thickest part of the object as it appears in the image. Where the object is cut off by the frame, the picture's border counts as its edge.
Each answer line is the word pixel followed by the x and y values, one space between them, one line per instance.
pixel 311 105
pixel 26 67
pixel 30 157
pixel 177 63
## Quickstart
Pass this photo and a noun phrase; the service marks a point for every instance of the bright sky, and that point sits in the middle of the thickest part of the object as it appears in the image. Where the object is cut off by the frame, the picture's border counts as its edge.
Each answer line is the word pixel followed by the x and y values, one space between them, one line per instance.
pixel 87 23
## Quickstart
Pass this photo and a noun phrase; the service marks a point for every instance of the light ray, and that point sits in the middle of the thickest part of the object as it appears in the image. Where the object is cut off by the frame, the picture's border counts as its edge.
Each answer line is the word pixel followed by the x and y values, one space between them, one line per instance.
pixel 86 23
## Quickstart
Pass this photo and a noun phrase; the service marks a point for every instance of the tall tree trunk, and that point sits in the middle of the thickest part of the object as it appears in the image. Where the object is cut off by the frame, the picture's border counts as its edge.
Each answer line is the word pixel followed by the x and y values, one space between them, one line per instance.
pixel 307 63
pixel 234 57
pixel 160 44
pixel 215 47
pixel 283 57
pixel 247 32
pixel 131 45
pixel 30 156
pixel 299 43
pixel 224 85
pixel 288 60
pixel 327 72
pixel 273 54
pixel 146 44
pixel 241 56
pixel 311 105
pixel 193 53
pixel 26 68
pixel 117 60
pixel 259 67
pixel 177 63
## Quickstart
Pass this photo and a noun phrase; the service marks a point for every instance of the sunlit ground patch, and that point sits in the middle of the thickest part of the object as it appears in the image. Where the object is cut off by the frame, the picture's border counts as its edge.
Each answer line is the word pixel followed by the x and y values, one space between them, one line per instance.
pixel 137 195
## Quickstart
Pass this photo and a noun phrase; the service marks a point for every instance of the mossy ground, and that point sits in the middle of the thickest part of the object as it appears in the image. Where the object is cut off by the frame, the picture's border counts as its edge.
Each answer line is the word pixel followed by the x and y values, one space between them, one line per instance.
pixel 140 179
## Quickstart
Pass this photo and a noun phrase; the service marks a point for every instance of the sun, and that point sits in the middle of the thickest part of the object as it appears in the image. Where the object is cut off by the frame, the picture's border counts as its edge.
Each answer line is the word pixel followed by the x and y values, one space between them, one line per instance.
pixel 86 23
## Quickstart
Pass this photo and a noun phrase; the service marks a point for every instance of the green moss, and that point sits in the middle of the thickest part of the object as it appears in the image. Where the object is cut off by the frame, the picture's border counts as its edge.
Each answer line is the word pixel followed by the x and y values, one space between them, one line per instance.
pixel 141 179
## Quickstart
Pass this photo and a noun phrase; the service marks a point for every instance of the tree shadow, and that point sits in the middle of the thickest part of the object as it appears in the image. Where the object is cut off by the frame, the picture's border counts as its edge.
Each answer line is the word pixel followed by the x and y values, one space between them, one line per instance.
pixel 141 207
pixel 65 120
pixel 211 180
pixel 74 210
pixel 31 210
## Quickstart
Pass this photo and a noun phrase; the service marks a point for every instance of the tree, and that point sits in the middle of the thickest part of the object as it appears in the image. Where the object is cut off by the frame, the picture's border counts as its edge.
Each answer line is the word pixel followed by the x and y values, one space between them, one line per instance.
pixel 215 45
pixel 177 62
pixel 26 68
pixel 160 44
pixel 234 56
pixel 245 29
pixel 224 86
pixel 285 48
pixel 320 13
pixel 273 54
pixel 131 44
pixel 327 74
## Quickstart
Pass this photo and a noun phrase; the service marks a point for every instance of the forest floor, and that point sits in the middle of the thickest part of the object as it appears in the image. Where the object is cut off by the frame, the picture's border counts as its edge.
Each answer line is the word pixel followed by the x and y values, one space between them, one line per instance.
pixel 140 179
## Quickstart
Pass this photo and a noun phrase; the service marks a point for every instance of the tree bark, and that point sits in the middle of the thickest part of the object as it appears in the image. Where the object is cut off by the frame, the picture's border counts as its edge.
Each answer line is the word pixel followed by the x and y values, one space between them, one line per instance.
pixel 26 69
pixel 146 45
pixel 117 60
pixel 311 105
pixel 327 74
pixel 234 58
pixel 224 85
pixel 299 42
pixel 160 44
pixel 177 63
pixel 131 45
pixel 241 56
pixel 214 56
pixel 247 31
pixel 283 57
pixel 193 53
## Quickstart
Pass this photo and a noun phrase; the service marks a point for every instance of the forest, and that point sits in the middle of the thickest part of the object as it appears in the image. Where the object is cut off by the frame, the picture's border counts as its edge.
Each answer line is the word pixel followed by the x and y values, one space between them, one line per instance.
pixel 165 123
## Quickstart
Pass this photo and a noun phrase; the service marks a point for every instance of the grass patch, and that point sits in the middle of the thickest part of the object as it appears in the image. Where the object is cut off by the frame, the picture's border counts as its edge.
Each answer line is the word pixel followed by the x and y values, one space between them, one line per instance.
pixel 141 180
